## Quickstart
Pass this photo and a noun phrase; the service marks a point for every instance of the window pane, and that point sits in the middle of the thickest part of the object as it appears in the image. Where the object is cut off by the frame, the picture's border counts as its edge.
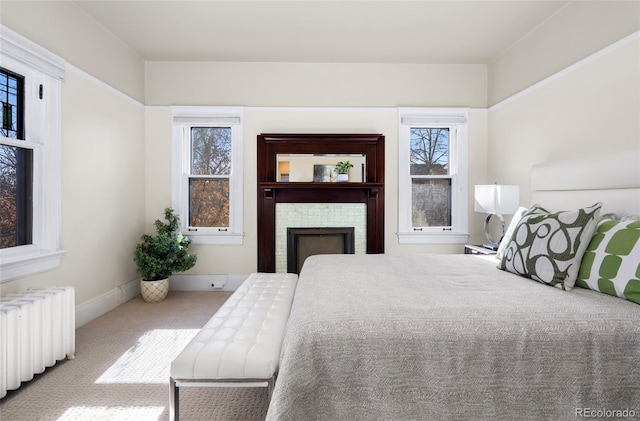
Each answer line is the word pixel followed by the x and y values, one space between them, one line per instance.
pixel 429 151
pixel 211 150
pixel 209 202
pixel 431 202
pixel 16 203
pixel 11 96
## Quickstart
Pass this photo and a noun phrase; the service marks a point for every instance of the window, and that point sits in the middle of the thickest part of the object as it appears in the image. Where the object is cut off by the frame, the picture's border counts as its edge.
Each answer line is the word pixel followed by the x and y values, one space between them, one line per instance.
pixel 16 166
pixel 207 173
pixel 432 176
pixel 30 86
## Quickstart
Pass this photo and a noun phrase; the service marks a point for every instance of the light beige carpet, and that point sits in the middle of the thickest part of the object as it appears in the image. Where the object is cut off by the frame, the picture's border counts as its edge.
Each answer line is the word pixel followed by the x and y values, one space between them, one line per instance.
pixel 121 370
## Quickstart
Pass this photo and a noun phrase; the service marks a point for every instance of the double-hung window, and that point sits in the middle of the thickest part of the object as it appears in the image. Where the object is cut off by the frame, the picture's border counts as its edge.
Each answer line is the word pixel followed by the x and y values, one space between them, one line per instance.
pixel 30 137
pixel 16 165
pixel 207 173
pixel 432 177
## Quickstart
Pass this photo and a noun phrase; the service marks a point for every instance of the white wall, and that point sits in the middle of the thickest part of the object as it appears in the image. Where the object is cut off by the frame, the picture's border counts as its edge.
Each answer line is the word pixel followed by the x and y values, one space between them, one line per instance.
pixel 306 98
pixel 103 186
pixel 102 189
pixel 243 259
pixel 64 29
pixel 579 29
pixel 315 84
pixel 591 107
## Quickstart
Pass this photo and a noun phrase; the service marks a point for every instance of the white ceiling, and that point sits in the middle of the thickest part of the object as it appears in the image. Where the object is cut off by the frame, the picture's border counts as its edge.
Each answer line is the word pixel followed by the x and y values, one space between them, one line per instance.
pixel 361 31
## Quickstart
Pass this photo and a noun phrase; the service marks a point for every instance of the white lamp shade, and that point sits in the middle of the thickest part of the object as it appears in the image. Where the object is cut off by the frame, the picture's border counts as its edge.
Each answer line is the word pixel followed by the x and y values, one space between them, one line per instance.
pixel 497 199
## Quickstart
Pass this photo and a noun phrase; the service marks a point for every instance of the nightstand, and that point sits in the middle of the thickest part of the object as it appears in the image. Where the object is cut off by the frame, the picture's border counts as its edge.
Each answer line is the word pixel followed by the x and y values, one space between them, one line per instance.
pixel 471 249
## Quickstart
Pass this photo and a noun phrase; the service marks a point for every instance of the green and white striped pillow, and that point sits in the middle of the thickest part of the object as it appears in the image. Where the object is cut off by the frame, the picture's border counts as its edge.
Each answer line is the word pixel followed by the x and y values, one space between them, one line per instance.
pixel 611 263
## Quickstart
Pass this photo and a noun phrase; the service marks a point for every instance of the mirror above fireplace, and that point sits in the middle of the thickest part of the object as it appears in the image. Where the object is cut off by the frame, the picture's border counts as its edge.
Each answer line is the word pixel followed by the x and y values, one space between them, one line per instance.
pixel 298 168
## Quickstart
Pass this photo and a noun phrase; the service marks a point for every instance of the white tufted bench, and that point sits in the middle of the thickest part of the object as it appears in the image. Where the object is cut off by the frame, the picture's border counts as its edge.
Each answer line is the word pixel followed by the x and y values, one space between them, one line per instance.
pixel 240 345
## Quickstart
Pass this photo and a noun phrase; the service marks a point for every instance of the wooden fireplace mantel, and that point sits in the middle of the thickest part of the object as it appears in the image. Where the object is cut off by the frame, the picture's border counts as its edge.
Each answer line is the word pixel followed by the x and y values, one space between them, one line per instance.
pixel 270 192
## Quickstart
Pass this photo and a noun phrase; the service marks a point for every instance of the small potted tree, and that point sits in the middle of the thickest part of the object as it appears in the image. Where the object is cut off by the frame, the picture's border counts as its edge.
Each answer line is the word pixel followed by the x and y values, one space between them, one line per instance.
pixel 342 168
pixel 158 257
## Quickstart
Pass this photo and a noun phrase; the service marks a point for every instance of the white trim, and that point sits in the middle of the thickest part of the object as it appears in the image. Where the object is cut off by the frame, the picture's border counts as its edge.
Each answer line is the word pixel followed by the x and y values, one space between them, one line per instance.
pixel 189 114
pixel 30 54
pixel 97 306
pixel 456 119
pixel 231 120
pixel 21 143
pixel 598 54
pixel 427 120
pixel 313 109
pixel 184 282
pixel 41 70
pixel 48 173
pixel 28 260
pixel 323 109
pixel 219 239
pixel 432 238
pixel 182 119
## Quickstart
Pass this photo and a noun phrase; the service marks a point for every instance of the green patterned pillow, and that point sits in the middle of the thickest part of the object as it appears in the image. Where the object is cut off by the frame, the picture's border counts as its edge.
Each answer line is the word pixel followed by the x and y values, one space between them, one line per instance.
pixel 611 263
pixel 548 247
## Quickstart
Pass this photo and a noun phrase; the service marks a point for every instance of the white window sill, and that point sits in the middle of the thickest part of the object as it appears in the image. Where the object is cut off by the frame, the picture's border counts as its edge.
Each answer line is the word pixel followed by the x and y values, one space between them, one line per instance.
pixel 228 239
pixel 432 238
pixel 21 262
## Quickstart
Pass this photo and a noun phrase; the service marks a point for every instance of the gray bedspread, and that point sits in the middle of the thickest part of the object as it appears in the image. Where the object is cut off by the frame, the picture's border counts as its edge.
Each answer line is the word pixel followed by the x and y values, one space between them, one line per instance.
pixel 450 337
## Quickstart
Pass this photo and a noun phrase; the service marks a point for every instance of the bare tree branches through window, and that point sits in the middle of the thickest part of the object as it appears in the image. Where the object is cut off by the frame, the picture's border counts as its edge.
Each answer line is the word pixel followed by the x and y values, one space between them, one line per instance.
pixel 211 149
pixel 430 197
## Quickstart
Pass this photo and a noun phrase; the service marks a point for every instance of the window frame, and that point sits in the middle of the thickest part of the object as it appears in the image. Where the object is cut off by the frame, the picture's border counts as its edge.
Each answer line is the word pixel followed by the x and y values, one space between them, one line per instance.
pixel 184 118
pixel 44 71
pixel 456 120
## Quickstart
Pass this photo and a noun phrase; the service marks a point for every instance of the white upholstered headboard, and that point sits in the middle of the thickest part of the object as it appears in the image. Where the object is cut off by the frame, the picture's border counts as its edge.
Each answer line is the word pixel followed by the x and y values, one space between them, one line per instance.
pixel 612 178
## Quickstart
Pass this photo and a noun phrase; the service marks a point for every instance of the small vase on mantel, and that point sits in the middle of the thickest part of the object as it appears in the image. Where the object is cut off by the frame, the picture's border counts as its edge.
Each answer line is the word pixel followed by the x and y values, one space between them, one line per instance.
pixel 342 177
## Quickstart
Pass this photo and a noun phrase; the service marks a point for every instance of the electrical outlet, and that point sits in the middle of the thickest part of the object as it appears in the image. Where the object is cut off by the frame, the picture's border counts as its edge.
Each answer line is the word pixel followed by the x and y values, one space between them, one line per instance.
pixel 216 285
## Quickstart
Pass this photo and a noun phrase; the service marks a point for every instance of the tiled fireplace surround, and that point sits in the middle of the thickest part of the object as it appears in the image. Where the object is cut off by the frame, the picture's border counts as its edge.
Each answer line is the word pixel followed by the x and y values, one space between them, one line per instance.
pixel 313 215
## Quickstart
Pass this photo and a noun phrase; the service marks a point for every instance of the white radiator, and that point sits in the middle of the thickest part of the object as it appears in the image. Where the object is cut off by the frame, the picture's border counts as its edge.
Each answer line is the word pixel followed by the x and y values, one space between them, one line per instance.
pixel 37 328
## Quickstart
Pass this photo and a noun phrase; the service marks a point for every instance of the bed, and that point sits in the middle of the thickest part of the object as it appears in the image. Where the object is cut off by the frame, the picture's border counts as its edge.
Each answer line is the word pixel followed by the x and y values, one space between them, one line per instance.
pixel 451 337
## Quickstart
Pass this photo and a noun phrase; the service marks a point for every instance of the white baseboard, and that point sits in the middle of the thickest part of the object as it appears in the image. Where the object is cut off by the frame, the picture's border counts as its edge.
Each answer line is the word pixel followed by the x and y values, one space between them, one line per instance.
pixel 101 304
pixel 106 302
pixel 204 282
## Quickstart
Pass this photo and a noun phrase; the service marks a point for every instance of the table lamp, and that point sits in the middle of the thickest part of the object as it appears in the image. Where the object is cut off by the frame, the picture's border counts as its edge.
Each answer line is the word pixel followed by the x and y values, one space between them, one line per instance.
pixel 498 200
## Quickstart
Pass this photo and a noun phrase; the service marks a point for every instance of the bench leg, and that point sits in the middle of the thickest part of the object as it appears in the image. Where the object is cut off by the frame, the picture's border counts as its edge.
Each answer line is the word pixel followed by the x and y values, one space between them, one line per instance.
pixel 174 393
pixel 174 401
pixel 271 384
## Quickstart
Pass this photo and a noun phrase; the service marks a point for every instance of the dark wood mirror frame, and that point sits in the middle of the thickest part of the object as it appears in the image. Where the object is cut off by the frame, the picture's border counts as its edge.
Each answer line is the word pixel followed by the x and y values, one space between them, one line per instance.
pixel 270 192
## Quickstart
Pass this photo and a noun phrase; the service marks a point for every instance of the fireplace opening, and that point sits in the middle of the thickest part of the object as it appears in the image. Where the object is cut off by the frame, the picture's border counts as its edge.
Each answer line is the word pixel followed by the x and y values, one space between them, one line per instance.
pixel 305 242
